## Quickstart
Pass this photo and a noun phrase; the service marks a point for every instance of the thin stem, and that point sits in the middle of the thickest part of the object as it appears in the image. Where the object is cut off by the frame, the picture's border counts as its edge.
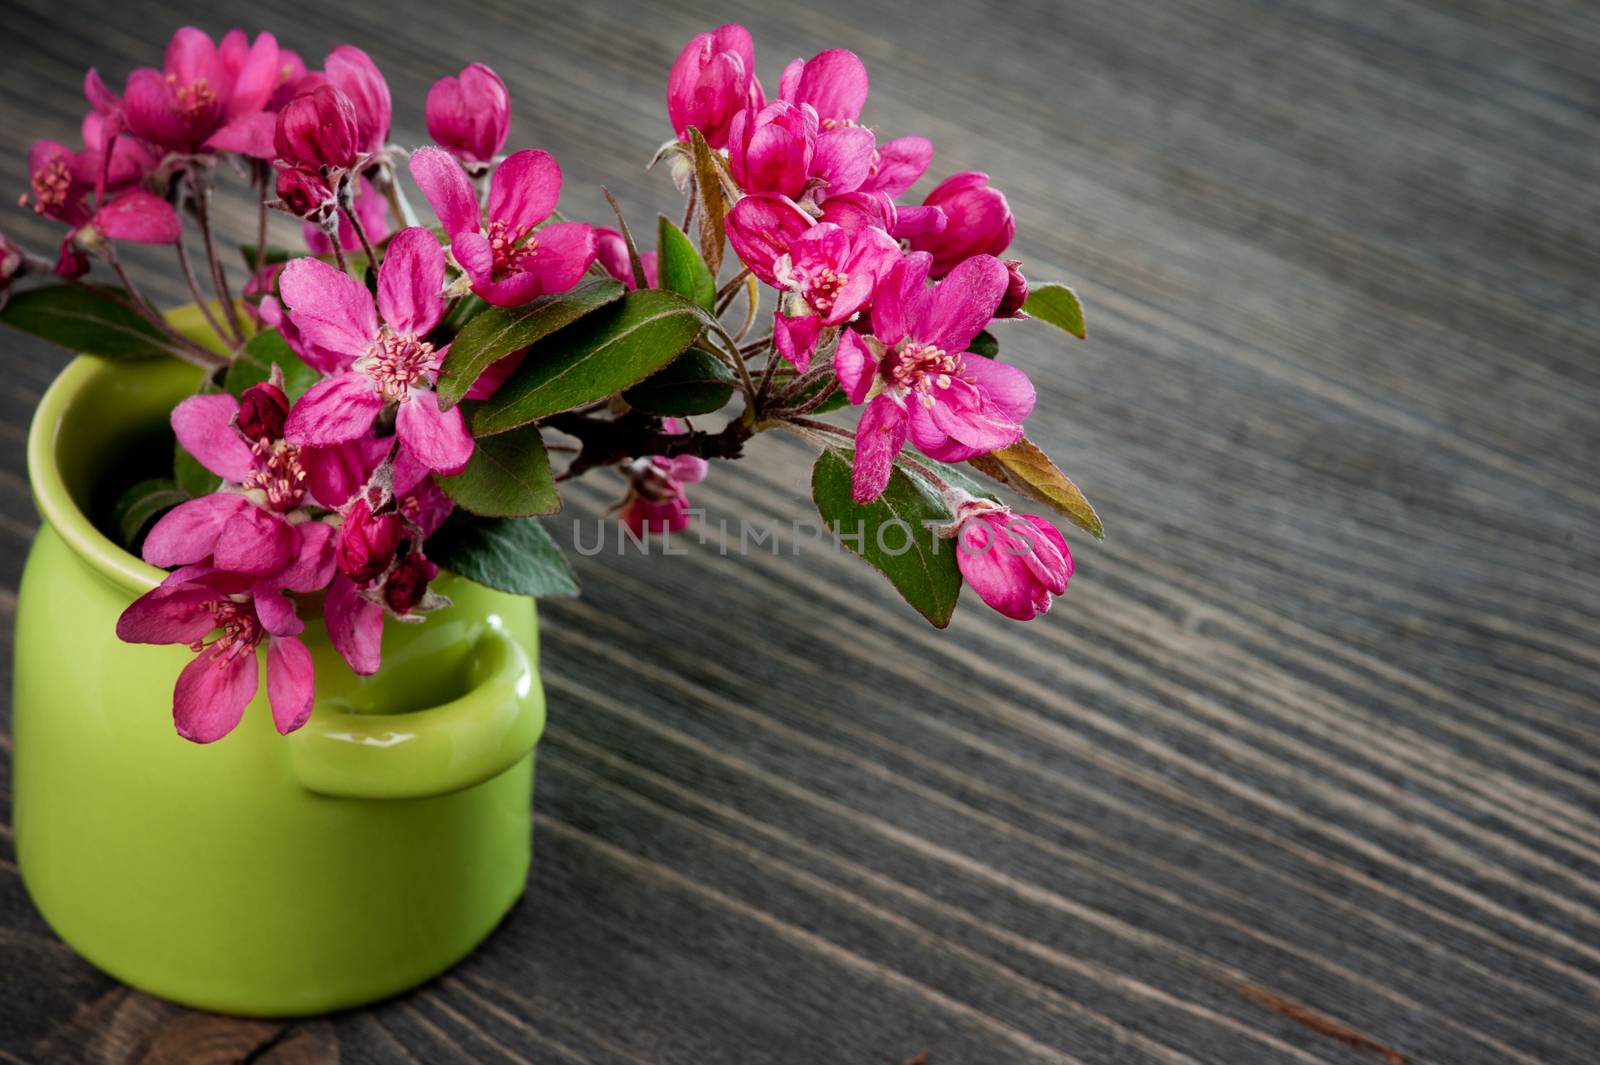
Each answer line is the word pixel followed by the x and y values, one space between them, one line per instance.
pixel 262 170
pixel 733 284
pixel 814 402
pixel 732 349
pixel 194 289
pixel 821 427
pixel 338 254
pixel 766 382
pixel 803 382
pixel 182 348
pixel 361 233
pixel 201 193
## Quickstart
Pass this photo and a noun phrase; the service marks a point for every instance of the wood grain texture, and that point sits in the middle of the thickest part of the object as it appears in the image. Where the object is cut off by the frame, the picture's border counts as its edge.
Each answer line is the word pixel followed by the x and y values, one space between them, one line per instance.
pixel 1302 770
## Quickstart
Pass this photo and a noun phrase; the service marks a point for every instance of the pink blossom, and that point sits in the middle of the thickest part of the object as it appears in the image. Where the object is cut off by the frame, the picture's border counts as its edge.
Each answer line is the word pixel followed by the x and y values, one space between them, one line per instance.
pixel 656 501
pixel 206 98
pixel 213 690
pixel 318 130
pixel 376 365
pixel 916 378
pixel 771 150
pixel 255 525
pixel 612 253
pixel 354 611
pixel 373 211
pixel 469 116
pixel 508 262
pixel 1016 563
pixel 979 221
pixel 825 272
pixel 62 182
pixel 835 84
pixel 711 82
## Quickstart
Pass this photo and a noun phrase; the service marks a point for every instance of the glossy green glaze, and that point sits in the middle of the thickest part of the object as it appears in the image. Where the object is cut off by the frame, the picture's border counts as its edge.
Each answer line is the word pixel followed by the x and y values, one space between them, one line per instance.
pixel 260 874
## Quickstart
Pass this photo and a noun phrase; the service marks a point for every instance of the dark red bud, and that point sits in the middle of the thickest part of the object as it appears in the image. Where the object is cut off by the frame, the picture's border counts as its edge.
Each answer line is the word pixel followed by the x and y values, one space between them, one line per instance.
pixel 319 130
pixel 367 543
pixel 407 584
pixel 72 263
pixel 304 193
pixel 262 411
pixel 1016 291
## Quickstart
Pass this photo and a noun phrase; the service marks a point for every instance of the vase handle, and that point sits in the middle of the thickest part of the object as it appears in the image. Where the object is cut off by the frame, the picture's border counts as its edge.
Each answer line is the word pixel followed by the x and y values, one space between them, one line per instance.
pixel 423 753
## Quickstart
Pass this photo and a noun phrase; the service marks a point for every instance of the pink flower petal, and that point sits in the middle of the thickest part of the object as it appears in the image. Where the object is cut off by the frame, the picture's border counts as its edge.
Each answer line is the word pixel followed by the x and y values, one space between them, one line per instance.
pixel 854 365
pixel 410 282
pixel 329 307
pixel 204 426
pixel 276 611
pixel 291 683
pixel 438 439
pixel 525 188
pixel 962 304
pixel 762 227
pixel 168 613
pixel 257 77
pixel 901 164
pixel 335 472
pixel 355 626
pixel 249 134
pixel 333 411
pixel 834 82
pixel 843 158
pixel 212 692
pixel 1050 560
pixel 490 380
pixel 255 543
pixel 150 115
pixel 896 295
pixel 1006 386
pixel 425 505
pixel 880 435
pixel 139 217
pixel 1001 578
pixel 188 532
pixel 448 190
pixel 796 338
pixel 312 564
pixel 565 251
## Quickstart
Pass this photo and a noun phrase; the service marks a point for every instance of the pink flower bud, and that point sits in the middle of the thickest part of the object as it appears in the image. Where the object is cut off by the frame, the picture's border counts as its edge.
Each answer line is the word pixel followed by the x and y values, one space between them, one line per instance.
pixel 305 194
pixel 771 150
pixel 319 130
pixel 72 262
pixel 469 116
pixel 1016 291
pixel 263 409
pixel 367 543
pixel 713 80
pixel 1015 562
pixel 354 73
pixel 978 222
pixel 408 584
pixel 12 262
pixel 611 252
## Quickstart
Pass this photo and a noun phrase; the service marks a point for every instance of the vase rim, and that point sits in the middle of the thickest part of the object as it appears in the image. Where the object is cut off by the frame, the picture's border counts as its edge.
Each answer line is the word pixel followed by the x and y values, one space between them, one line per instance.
pixel 54 496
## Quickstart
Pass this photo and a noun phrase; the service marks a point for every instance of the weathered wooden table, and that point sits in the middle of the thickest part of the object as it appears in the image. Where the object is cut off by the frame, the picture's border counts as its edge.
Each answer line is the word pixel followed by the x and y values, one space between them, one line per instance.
pixel 1303 769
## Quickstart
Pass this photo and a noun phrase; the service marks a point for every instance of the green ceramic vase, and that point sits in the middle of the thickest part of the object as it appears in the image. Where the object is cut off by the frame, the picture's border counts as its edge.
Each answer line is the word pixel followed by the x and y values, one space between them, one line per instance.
pixel 261 874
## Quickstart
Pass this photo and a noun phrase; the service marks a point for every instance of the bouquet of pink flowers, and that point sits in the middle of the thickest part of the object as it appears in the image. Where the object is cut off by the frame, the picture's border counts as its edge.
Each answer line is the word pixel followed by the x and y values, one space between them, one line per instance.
pixel 388 403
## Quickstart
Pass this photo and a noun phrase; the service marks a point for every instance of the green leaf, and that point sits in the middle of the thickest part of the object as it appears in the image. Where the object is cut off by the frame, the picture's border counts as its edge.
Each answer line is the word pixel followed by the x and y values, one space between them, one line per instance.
pixel 511 555
pixel 254 365
pixel 85 319
pixel 893 537
pixel 954 476
pixel 985 344
pixel 696 382
pixel 1029 471
pixel 1058 305
pixel 190 476
pixel 606 352
pixel 680 267
pixel 142 504
pixel 499 331
pixel 713 200
pixel 508 477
